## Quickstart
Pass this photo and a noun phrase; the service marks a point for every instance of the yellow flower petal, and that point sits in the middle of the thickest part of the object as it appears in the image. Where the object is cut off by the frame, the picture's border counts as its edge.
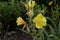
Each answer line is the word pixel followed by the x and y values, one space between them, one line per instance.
pixel 29 4
pixel 50 3
pixel 33 4
pixel 20 21
pixel 38 26
pixel 39 21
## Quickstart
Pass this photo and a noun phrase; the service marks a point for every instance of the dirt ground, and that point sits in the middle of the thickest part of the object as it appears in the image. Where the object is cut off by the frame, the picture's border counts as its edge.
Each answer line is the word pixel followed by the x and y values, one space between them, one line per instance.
pixel 16 35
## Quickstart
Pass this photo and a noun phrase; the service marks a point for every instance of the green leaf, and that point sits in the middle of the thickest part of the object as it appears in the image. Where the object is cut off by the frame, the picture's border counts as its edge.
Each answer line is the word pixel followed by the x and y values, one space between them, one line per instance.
pixel 59 28
pixel 52 30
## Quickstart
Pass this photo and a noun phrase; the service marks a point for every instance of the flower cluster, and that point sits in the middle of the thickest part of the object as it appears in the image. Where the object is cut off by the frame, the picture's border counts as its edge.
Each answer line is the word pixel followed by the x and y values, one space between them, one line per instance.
pixel 29 6
pixel 39 20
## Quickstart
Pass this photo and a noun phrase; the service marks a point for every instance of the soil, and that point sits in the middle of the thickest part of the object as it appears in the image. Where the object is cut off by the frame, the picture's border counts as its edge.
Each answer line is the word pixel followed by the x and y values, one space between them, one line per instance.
pixel 16 35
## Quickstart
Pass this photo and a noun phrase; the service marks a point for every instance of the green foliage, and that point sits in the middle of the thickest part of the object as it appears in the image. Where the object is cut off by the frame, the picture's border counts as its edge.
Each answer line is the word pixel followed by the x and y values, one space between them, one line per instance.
pixel 9 11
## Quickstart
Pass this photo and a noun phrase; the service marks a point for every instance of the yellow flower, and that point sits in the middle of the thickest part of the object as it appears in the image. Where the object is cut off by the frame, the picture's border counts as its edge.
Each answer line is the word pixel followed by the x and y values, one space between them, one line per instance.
pixel 20 21
pixel 30 4
pixel 40 21
pixel 33 4
pixel 50 3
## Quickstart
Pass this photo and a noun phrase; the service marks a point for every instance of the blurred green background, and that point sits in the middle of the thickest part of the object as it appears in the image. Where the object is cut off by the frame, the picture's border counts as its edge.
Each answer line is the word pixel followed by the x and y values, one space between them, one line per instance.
pixel 11 9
